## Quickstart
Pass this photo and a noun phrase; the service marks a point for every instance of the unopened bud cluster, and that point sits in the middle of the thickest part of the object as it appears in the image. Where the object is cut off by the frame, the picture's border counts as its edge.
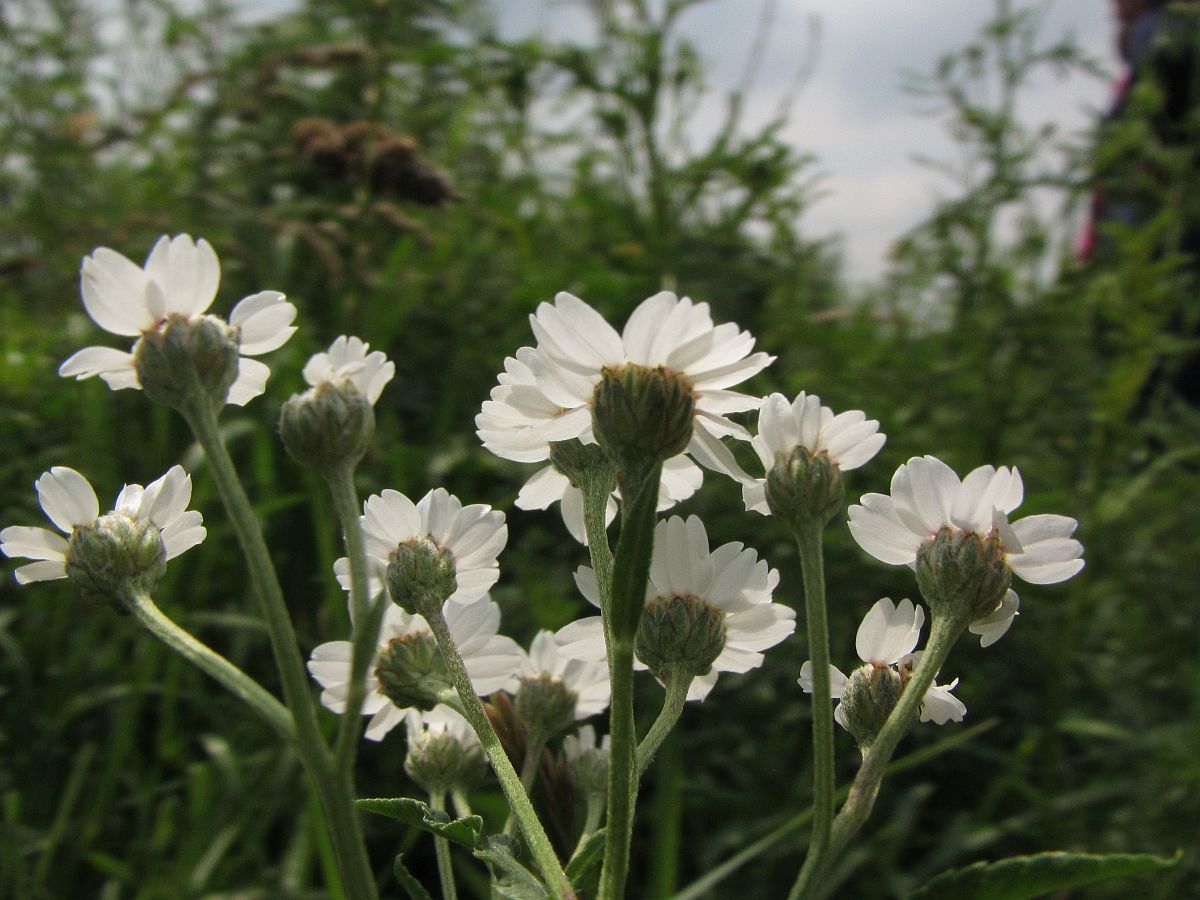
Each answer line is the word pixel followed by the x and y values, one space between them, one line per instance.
pixel 545 706
pixel 438 762
pixel 184 351
pixel 870 695
pixel 802 486
pixel 114 555
pixel 579 461
pixel 642 415
pixel 587 762
pixel 680 634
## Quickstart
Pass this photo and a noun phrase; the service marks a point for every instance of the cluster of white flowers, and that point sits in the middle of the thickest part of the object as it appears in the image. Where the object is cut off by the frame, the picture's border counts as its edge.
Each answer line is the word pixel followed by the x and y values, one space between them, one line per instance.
pixel 545 397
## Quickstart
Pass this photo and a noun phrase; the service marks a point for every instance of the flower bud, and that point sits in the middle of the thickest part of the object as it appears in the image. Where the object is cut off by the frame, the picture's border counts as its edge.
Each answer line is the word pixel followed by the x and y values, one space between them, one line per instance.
pixel 642 416
pixel 328 427
pixel 803 486
pixel 870 695
pixel 545 706
pixel 411 672
pixel 185 351
pixel 438 762
pixel 962 574
pixel 116 554
pixel 420 575
pixel 579 461
pixel 680 633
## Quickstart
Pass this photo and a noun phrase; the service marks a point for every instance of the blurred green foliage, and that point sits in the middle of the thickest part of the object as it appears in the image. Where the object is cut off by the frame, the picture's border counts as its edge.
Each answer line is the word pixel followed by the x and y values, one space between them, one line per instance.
pixel 405 174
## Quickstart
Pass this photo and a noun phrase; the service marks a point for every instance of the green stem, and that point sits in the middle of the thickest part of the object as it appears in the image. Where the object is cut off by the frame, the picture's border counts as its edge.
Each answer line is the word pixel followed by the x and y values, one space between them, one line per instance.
pixel 595 809
pixel 462 804
pixel 365 617
pixel 675 697
pixel 596 488
pixel 529 772
pixel 510 783
pixel 631 568
pixel 207 660
pixel 437 799
pixel 865 787
pixel 808 541
pixel 335 792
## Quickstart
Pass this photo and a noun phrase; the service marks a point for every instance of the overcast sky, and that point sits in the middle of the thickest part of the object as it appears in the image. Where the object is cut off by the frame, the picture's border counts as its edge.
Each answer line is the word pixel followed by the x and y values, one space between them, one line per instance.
pixel 852 114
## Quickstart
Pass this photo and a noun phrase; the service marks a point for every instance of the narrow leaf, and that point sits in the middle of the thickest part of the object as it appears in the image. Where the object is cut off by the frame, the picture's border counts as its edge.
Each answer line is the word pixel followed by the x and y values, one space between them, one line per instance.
pixel 513 880
pixel 1022 877
pixel 583 864
pixel 464 831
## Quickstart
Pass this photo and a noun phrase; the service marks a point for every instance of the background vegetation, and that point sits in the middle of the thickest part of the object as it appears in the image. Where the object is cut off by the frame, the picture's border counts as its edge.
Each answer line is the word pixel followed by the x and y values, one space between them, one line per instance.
pixel 404 174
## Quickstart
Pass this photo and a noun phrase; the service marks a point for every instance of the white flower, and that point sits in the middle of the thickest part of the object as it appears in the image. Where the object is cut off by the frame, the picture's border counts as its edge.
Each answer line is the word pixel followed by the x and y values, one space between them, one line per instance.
pixel 69 502
pixel 575 746
pixel 575 345
pixel 491 659
pixel 928 497
pixel 473 535
pixel 519 423
pixel 886 639
pixel 180 278
pixel 348 360
pixel 849 439
pixel 588 681
pixel 439 720
pixel 731 579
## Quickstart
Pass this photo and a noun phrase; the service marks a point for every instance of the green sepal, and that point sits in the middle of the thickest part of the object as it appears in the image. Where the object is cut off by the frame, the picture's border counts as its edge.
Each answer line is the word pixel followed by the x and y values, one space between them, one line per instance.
pixel 465 831
pixel 512 880
pixel 583 866
pixel 631 565
pixel 411 886
pixel 1021 877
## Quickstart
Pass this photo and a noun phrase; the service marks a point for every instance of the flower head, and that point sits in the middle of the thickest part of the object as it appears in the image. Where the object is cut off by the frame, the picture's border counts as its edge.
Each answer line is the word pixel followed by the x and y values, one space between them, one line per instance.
pixel 520 423
pixel 348 359
pixel 436 545
pixel 587 761
pixel 885 642
pixel 407 672
pixel 958 531
pixel 147 527
pixel 666 337
pixel 555 690
pixel 172 292
pixel 803 448
pixel 444 753
pixel 727 590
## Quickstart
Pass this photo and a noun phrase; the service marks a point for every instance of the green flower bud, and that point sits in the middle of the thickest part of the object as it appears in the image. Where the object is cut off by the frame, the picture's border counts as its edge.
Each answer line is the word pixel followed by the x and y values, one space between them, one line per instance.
pixel 962 574
pixel 545 706
pixel 203 349
pixel 116 554
pixel 439 762
pixel 870 695
pixel 420 575
pixel 803 486
pixel 680 633
pixel 411 672
pixel 642 416
pixel 579 461
pixel 328 427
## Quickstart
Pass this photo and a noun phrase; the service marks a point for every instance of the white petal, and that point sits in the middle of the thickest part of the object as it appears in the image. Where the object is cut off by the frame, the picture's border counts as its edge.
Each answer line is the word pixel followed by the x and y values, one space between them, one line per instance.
pixel 583 639
pixel 837 680
pixel 994 626
pixel 99 361
pixel 889 631
pixel 67 498
pixel 250 383
pixel 114 292
pixel 546 486
pixel 265 321
pixel 878 529
pixel 32 543
pixel 940 706
pixel 44 570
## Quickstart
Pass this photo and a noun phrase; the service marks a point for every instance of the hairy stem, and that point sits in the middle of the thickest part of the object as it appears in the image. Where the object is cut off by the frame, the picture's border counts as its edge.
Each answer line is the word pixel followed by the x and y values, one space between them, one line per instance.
pixel 675 697
pixel 437 799
pixel 808 541
pixel 141 605
pixel 334 791
pixel 510 783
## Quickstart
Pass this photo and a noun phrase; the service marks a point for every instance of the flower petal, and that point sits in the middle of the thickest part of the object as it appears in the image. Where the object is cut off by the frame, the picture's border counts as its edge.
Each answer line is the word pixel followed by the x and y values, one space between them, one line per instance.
pixel 67 498
pixel 265 321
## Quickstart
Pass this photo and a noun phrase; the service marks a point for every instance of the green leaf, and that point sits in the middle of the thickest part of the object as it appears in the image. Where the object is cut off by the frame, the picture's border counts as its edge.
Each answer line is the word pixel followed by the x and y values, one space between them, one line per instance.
pixel 1021 877
pixel 586 858
pixel 411 886
pixel 464 831
pixel 513 880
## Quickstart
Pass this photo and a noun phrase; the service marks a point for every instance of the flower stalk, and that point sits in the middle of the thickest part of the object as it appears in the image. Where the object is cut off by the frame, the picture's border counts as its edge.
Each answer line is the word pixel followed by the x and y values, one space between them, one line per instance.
pixel 333 790
pixel 678 682
pixel 437 799
pixel 466 702
pixel 944 631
